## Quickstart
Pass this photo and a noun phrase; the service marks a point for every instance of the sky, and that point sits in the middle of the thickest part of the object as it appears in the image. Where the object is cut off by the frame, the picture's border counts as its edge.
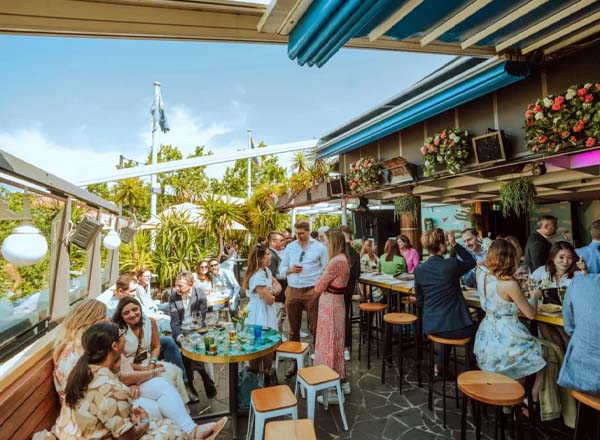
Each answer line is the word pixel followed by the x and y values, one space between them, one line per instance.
pixel 71 105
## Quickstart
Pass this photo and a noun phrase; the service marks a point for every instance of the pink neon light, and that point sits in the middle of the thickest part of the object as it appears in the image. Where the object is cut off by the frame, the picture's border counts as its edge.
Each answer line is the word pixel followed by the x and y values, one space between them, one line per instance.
pixel 587 159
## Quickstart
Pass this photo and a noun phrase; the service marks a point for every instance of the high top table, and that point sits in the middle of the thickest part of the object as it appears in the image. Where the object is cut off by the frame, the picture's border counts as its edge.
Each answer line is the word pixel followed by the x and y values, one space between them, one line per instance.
pixel 192 347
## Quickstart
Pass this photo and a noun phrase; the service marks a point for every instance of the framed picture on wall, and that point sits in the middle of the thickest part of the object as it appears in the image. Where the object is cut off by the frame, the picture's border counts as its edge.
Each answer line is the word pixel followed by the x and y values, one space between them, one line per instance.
pixel 489 148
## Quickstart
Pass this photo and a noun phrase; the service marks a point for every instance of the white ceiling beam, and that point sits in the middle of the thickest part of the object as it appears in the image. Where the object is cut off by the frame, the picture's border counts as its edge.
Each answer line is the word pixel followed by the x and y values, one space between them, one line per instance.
pixel 396 17
pixel 553 19
pixel 562 32
pixel 503 22
pixel 175 165
pixel 454 20
pixel 573 39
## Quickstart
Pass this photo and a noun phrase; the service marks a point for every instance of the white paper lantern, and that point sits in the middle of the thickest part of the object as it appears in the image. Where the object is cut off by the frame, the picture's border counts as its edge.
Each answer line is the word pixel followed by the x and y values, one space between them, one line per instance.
pixel 24 246
pixel 112 240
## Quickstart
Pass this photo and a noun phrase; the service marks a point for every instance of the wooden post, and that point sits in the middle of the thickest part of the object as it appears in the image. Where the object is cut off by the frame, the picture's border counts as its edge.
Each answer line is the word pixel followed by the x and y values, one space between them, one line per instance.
pixel 411 227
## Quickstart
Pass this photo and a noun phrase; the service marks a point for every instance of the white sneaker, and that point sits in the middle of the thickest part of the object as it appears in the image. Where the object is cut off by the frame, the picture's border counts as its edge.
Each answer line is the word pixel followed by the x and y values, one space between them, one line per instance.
pixel 346 355
pixel 332 398
pixel 312 357
pixel 303 334
pixel 346 388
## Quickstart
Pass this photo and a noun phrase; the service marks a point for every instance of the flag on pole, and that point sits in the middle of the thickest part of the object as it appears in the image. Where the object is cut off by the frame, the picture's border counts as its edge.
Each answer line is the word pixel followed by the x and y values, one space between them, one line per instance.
pixel 159 117
pixel 254 159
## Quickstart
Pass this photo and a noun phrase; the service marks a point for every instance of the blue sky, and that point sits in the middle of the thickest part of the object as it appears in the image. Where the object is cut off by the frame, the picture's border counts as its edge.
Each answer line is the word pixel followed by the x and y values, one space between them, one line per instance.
pixel 72 105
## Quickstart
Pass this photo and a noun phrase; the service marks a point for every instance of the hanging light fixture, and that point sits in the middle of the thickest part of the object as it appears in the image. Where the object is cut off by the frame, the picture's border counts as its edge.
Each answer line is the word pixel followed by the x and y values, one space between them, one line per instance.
pixel 112 240
pixel 26 245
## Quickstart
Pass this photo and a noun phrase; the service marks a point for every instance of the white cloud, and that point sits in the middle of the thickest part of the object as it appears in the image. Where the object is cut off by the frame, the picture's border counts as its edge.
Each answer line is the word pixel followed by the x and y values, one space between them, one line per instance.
pixel 67 162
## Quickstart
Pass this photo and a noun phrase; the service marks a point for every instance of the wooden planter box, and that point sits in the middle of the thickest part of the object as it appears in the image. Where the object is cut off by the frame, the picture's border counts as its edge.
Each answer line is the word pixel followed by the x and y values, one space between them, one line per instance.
pixel 302 197
pixel 322 191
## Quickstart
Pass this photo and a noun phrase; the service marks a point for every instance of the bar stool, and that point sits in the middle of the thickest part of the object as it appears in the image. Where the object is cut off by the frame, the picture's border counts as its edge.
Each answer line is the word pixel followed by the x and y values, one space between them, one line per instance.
pixel 401 320
pixel 293 350
pixel 490 389
pixel 592 402
pixel 302 429
pixel 453 343
pixel 367 311
pixel 317 378
pixel 266 403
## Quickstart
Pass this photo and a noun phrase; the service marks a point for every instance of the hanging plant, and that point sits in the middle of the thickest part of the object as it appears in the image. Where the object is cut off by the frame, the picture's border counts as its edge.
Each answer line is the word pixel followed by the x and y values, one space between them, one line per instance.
pixel 451 147
pixel 363 175
pixel 561 121
pixel 406 205
pixel 518 195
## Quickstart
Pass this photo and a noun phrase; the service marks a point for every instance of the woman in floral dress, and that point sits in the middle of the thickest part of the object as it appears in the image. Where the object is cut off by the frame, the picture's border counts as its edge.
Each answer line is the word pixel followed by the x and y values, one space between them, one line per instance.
pixel 503 344
pixel 98 405
pixel 329 344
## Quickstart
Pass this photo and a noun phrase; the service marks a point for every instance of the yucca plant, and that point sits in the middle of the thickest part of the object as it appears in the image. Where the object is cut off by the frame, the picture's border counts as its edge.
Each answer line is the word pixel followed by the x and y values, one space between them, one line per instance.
pixel 136 254
pixel 218 215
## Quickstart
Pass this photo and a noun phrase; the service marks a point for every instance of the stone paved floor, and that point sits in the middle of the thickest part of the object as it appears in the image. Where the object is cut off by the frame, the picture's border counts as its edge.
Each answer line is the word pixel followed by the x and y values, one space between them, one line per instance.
pixel 375 411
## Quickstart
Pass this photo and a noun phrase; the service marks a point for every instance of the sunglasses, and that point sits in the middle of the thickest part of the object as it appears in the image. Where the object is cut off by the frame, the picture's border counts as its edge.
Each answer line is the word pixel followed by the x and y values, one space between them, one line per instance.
pixel 204 266
pixel 301 256
pixel 132 290
pixel 122 332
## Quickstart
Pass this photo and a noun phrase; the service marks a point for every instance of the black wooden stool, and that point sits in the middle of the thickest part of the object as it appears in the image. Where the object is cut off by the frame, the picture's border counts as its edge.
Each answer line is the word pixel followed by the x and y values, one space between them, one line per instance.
pixel 368 311
pixel 400 319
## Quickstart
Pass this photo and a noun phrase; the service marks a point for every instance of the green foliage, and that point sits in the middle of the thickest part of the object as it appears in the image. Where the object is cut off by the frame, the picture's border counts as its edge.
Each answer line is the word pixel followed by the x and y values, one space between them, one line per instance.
pixel 333 221
pixel 519 195
pixel 406 205
pixel 136 255
pixel 261 215
pixel 100 189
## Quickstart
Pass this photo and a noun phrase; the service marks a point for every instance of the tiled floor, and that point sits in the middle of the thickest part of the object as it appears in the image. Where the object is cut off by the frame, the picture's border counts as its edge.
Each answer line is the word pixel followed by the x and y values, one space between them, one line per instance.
pixel 376 411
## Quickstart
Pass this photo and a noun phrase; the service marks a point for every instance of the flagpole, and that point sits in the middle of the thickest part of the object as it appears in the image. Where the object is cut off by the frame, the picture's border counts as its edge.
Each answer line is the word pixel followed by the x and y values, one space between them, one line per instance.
pixel 153 177
pixel 249 175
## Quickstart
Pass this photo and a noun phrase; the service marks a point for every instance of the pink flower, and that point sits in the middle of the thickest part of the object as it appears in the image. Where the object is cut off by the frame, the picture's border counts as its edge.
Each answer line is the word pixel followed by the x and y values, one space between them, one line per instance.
pixel 589 98
pixel 530 122
pixel 452 144
pixel 423 150
pixel 573 139
pixel 357 168
pixel 535 148
pixel 530 106
pixel 597 85
pixel 537 108
pixel 365 163
pixel 352 185
pixel 443 135
pixel 528 114
pixel 543 139
pixel 436 141
pixel 582 92
pixel 590 142
pixel 431 149
pixel 564 134
pixel 556 107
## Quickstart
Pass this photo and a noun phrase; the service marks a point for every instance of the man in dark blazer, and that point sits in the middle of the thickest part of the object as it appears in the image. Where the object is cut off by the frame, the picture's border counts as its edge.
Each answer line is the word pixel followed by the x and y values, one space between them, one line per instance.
pixel 538 244
pixel 439 295
pixel 184 301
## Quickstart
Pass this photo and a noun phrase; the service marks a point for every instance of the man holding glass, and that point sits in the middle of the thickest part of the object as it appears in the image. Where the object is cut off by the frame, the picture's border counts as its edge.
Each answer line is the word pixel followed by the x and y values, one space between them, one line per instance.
pixel 224 283
pixel 303 262
pixel 187 304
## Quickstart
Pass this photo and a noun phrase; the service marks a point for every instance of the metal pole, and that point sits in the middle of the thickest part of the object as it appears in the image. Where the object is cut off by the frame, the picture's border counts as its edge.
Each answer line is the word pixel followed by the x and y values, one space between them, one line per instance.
pixel 293 218
pixel 249 174
pixel 344 212
pixel 153 177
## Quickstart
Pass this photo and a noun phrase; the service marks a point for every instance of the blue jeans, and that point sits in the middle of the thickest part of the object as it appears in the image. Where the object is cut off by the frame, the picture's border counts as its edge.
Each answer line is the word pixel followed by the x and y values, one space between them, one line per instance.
pixel 169 351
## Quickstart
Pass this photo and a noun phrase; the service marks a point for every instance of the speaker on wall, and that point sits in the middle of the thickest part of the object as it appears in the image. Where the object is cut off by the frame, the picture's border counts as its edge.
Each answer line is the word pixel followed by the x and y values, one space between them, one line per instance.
pixel 85 232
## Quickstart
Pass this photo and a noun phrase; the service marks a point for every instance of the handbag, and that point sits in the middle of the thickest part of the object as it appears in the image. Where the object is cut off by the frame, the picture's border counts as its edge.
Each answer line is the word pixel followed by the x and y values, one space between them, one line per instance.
pixel 248 382
pixel 140 355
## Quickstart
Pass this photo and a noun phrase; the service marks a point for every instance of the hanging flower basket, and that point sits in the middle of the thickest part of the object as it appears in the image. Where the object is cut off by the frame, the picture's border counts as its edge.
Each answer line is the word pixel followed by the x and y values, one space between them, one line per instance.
pixel 363 175
pixel 517 195
pixel 450 147
pixel 561 121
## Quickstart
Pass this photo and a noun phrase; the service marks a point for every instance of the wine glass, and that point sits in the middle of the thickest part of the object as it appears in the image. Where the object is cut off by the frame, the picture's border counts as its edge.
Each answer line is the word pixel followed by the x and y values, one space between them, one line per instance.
pixel 211 319
pixel 223 317
pixel 196 320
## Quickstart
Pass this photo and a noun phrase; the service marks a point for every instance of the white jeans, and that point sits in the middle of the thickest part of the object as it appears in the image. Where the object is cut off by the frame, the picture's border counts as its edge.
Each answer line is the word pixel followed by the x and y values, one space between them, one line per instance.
pixel 159 393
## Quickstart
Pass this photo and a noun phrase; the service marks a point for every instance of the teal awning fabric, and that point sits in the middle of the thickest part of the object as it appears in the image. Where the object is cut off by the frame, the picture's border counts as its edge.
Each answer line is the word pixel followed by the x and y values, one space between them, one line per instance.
pixel 479 84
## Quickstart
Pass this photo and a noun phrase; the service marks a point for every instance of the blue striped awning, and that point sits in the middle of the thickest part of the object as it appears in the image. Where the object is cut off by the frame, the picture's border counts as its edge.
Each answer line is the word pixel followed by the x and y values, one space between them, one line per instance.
pixel 477 81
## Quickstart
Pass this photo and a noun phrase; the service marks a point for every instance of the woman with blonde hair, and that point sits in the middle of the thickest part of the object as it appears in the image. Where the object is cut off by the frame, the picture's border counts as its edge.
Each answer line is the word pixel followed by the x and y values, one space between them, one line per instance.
pixel 261 288
pixel 368 258
pixel 147 388
pixel 329 344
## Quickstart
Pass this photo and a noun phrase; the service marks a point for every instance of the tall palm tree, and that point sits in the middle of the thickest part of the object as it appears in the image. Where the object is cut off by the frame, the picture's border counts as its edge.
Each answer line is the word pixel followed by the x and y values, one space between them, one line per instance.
pixel 131 193
pixel 218 216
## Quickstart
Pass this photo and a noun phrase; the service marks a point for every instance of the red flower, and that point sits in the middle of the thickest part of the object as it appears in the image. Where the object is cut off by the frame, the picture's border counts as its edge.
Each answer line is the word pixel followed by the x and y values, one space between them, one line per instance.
pixel 573 139
pixel 597 85
pixel 528 114
pixel 582 92
pixel 443 135
pixel 590 142
pixel 357 168
pixel 564 134
pixel 559 100
pixel 543 139
pixel 537 108
pixel 535 148
pixel 589 98
pixel 556 107
pixel 352 185
pixel 530 122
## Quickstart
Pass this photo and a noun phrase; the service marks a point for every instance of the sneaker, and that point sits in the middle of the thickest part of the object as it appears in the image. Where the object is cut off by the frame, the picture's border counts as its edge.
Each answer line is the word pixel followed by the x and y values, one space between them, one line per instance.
pixel 346 355
pixel 303 334
pixel 346 388
pixel 332 398
pixel 312 357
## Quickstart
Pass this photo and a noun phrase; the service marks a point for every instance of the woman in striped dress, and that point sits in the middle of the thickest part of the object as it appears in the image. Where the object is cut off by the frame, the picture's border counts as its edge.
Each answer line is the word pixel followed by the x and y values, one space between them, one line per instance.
pixel 329 344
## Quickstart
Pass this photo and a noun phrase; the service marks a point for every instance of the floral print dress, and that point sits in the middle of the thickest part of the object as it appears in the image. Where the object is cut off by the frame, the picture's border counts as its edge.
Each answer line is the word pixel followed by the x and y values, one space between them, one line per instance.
pixel 503 344
pixel 106 411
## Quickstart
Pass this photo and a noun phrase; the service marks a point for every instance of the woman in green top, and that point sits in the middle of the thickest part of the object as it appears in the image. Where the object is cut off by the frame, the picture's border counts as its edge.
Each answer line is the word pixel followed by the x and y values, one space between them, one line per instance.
pixel 392 262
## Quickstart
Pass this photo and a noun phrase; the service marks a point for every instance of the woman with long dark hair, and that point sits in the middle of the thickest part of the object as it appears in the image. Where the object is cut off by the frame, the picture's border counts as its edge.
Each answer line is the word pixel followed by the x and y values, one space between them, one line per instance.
pixel 410 254
pixel 561 266
pixel 392 262
pixel 261 288
pixel 98 405
pixel 142 342
pixel 329 344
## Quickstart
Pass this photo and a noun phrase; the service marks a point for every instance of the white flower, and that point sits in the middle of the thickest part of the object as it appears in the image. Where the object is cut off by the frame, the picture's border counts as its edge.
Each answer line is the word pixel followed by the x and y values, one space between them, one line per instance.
pixel 454 138
pixel 587 85
pixel 547 102
pixel 571 93
pixel 539 115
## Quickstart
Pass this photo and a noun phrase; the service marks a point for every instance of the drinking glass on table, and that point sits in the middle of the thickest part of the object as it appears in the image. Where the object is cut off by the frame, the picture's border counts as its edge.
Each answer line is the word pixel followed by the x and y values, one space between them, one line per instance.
pixel 196 320
pixel 211 319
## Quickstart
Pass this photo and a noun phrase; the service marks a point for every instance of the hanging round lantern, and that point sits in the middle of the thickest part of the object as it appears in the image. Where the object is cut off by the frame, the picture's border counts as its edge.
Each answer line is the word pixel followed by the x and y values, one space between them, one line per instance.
pixel 112 240
pixel 25 246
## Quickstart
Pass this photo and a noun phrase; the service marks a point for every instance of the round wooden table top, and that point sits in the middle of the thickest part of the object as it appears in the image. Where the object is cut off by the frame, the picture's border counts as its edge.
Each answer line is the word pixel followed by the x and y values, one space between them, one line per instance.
pixel 446 341
pixel 192 347
pixel 372 307
pixel 216 300
pixel 586 399
pixel 399 318
pixel 491 388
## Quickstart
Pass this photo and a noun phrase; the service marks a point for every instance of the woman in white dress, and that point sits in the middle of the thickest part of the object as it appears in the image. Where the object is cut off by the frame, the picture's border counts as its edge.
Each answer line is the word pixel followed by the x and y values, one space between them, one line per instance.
pixel 142 342
pixel 261 288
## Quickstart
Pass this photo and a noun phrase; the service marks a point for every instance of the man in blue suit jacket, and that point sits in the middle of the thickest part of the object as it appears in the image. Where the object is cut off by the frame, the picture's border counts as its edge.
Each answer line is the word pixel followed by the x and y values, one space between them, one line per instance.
pixel 591 252
pixel 183 302
pixel 439 295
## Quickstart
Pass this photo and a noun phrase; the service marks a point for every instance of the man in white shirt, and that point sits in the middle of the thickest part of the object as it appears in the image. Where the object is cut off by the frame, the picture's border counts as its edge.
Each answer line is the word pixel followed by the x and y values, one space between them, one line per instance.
pixel 224 282
pixel 303 262
pixel 125 286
